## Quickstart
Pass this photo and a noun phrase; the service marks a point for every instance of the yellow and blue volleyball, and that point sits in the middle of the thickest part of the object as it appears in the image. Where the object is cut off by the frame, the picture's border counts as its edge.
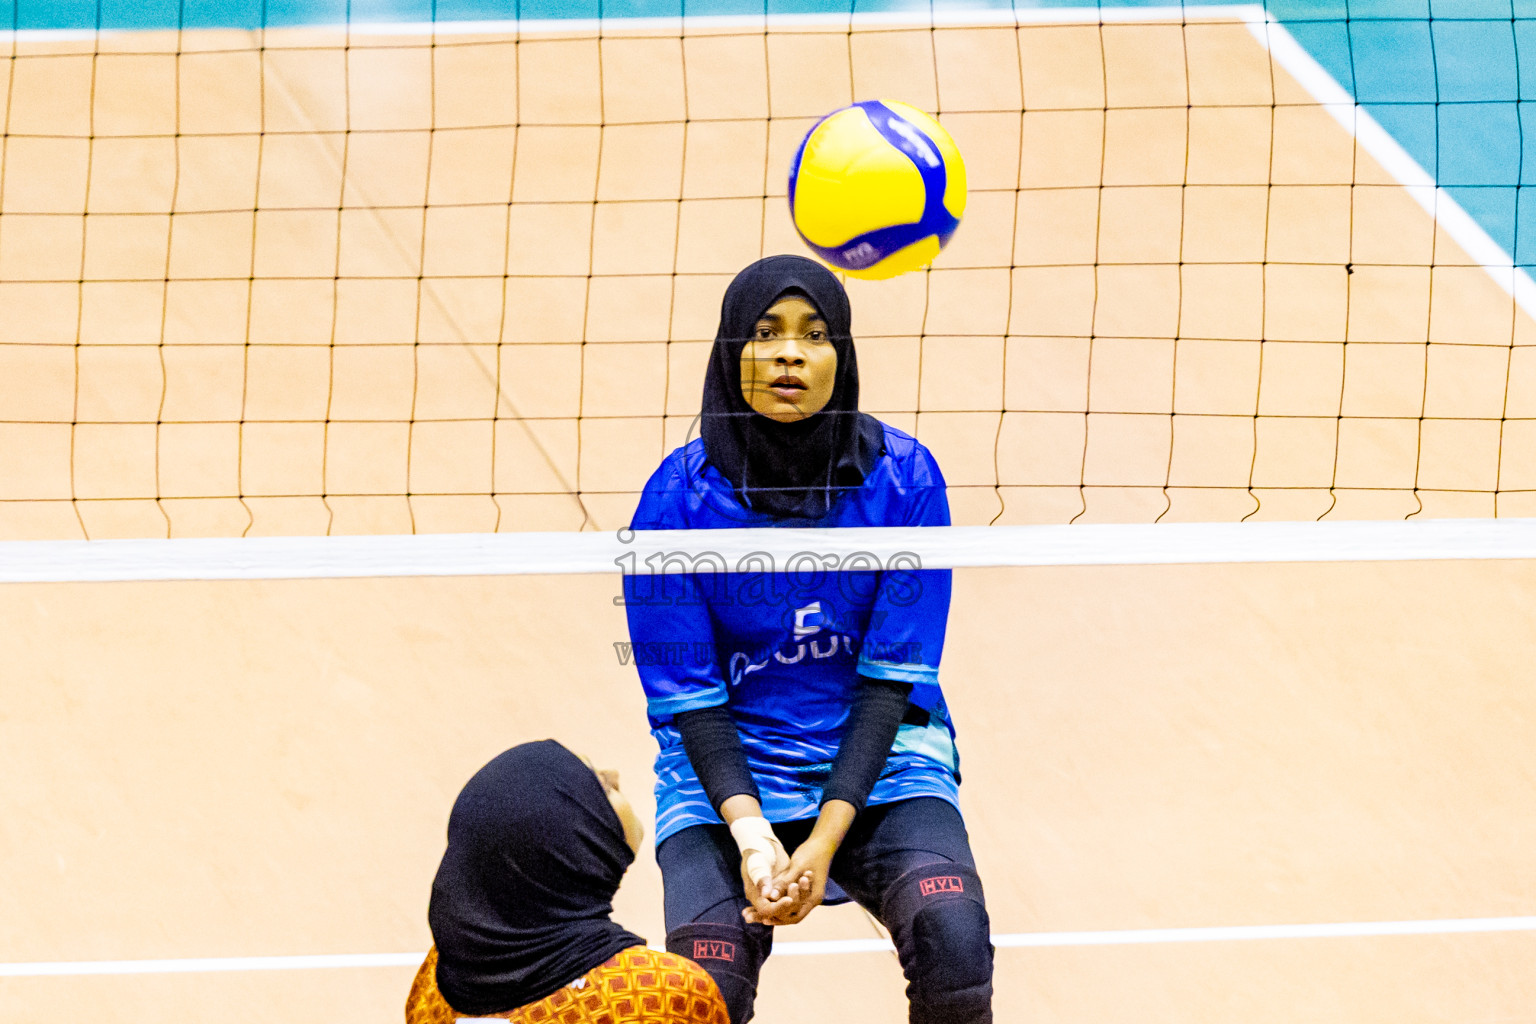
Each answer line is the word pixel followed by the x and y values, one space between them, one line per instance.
pixel 877 188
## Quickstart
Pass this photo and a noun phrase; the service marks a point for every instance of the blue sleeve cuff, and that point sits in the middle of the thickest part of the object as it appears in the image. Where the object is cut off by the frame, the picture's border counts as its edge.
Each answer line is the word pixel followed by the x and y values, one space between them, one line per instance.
pixel 915 673
pixel 662 707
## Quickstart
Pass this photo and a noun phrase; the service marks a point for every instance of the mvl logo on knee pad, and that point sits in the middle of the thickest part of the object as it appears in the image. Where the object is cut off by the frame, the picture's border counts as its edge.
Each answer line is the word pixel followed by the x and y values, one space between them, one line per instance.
pixel 940 884
pixel 714 949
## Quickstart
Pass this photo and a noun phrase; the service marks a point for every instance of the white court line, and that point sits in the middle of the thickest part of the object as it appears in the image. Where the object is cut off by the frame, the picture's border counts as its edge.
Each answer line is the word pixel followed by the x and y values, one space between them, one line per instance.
pixel 962 17
pixel 833 947
pixel 682 551
pixel 979 17
pixel 208 965
pixel 1436 201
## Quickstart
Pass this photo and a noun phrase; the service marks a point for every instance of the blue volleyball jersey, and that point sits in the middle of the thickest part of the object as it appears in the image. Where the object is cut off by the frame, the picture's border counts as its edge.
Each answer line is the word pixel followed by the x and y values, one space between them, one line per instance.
pixel 784 650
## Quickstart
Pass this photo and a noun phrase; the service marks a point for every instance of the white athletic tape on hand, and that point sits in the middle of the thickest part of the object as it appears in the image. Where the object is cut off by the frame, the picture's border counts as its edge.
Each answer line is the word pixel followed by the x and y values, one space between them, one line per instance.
pixel 762 849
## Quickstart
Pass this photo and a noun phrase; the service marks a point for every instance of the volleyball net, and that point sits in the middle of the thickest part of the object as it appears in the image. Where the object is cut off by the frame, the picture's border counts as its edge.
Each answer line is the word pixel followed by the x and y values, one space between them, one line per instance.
pixel 463 276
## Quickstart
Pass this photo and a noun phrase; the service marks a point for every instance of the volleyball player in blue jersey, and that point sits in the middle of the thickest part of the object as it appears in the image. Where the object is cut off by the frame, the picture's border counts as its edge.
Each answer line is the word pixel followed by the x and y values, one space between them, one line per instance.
pixel 806 748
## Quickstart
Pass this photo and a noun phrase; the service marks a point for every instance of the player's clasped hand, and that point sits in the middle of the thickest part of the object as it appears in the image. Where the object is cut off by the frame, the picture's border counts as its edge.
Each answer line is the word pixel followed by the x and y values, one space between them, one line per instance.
pixel 803 884
pixel 763 862
pixel 791 906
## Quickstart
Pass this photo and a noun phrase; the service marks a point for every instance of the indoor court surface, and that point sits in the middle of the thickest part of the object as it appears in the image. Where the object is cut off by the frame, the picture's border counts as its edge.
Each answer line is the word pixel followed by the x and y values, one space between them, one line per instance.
pixel 311 280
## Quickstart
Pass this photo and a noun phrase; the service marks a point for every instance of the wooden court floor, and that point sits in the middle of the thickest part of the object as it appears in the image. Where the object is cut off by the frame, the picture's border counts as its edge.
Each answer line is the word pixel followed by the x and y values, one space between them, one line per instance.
pixel 411 287
pixel 237 769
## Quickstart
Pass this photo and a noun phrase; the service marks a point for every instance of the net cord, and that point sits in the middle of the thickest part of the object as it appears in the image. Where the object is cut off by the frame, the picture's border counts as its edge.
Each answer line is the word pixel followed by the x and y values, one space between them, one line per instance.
pixel 794 551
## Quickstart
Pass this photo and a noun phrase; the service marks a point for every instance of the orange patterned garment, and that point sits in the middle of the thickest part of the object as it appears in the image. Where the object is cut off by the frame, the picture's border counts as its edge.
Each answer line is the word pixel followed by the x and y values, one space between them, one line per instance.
pixel 637 986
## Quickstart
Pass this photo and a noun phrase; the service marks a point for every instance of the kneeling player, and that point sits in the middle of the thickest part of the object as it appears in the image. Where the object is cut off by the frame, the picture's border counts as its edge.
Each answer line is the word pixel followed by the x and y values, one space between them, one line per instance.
pixel 537 843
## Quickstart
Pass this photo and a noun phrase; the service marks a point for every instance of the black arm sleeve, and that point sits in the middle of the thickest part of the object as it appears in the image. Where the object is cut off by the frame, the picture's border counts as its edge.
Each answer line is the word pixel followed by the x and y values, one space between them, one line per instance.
pixel 714 749
pixel 878 708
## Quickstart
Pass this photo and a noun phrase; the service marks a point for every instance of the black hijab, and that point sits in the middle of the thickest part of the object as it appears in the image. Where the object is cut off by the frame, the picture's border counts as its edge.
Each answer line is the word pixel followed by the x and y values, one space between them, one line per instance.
pixel 788 470
pixel 521 900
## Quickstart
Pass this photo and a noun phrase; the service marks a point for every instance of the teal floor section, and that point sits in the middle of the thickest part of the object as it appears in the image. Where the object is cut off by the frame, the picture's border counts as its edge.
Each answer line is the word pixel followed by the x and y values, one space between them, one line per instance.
pixel 1450 82
pixel 1448 79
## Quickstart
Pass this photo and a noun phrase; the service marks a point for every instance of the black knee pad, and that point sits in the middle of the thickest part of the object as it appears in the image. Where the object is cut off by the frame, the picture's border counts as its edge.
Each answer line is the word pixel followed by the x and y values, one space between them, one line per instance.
pixel 937 917
pixel 732 954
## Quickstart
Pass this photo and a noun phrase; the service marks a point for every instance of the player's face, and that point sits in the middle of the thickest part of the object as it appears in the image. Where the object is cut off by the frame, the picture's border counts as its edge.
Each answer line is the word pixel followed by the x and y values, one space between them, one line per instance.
pixel 634 830
pixel 789 366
